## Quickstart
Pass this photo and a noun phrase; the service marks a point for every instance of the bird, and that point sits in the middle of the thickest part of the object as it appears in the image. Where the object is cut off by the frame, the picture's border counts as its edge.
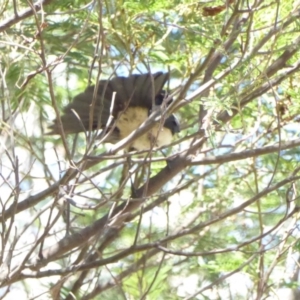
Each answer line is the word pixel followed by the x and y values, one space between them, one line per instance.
pixel 130 100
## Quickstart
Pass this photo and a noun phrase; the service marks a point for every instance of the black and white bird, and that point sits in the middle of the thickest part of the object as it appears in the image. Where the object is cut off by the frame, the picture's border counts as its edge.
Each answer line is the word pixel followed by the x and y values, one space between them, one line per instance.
pixel 130 100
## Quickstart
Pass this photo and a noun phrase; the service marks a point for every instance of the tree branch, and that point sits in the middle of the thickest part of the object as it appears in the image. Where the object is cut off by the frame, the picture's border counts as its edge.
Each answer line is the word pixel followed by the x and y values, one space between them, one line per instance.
pixel 23 15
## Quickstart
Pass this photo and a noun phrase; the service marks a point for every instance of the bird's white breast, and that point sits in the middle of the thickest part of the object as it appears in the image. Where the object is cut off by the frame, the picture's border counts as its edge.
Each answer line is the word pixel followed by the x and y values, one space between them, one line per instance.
pixel 131 119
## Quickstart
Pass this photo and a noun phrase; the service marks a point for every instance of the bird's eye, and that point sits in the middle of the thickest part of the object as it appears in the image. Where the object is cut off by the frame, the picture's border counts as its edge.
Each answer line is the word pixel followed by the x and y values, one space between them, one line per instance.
pixel 159 99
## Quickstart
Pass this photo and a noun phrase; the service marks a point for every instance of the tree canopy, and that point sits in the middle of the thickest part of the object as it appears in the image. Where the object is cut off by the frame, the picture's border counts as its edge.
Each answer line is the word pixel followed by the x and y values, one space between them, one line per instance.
pixel 214 215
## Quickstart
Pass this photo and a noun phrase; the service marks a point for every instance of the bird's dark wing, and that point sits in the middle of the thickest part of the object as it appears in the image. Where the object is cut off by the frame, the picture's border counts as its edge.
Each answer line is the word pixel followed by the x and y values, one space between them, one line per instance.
pixel 133 91
pixel 76 117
